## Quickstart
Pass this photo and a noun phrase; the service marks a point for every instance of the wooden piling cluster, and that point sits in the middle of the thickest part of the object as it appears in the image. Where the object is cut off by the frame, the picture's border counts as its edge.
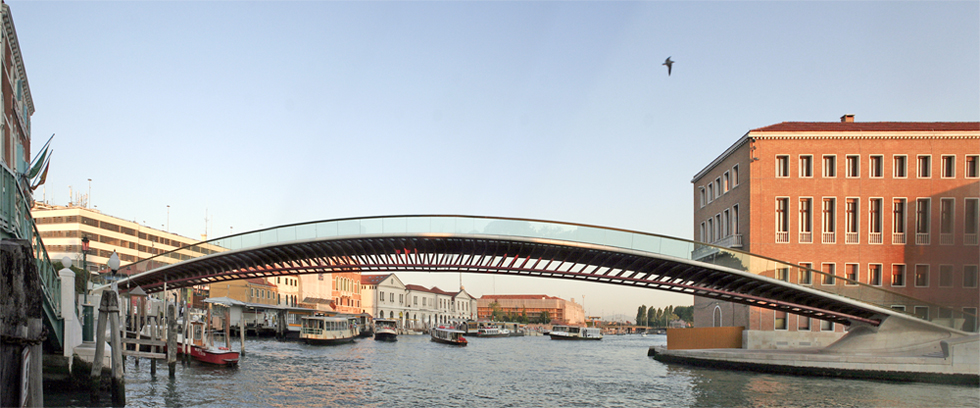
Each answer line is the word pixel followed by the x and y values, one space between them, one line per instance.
pixel 21 326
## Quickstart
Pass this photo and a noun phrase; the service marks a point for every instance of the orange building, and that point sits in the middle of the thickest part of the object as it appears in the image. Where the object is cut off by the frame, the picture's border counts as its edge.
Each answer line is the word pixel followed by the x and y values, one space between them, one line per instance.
pixel 347 292
pixel 890 204
pixel 560 310
pixel 252 290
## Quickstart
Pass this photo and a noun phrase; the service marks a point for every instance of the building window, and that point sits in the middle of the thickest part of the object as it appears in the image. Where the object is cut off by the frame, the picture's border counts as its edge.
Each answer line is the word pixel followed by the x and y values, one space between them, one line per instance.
pixel 806 166
pixel 969 276
pixel 922 221
pixel 898 221
pixel 972 169
pixel 726 182
pixel 826 325
pixel 900 169
pixel 806 276
pixel 782 274
pixel 921 312
pixel 946 221
pixel 780 320
pixel 970 319
pixel 735 229
pixel 803 323
pixel 711 192
pixel 924 170
pixel 949 166
pixel 701 196
pixel 726 222
pixel 874 274
pixel 853 166
pixel 782 166
pixel 876 166
pixel 851 272
pixel 874 221
pixel 921 276
pixel 830 271
pixel 703 237
pixel 719 228
pixel 391 297
pixel 945 276
pixel 806 220
pixel 898 275
pixel 711 230
pixel 830 166
pixel 829 216
pixel 735 175
pixel 852 221
pixel 782 221
pixel 971 221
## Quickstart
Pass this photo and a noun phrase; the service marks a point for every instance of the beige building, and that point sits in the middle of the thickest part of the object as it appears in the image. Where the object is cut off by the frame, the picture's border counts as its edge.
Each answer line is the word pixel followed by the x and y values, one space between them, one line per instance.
pixel 62 229
pixel 252 290
pixel 560 310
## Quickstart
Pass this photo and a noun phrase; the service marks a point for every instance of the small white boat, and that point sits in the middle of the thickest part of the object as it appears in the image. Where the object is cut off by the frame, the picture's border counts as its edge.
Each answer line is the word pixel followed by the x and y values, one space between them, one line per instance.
pixel 385 330
pixel 448 336
pixel 575 333
pixel 328 330
pixel 492 331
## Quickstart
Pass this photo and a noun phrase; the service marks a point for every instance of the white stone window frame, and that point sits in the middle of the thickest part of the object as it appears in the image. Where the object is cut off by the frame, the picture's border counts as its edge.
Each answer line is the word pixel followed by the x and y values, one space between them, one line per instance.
pixel 942 166
pixel 871 166
pixel 824 167
pixel 847 166
pixel 919 167
pixel 905 167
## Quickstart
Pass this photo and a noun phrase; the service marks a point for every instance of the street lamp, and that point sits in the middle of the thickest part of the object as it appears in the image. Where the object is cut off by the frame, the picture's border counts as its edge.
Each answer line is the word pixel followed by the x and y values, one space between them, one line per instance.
pixel 85 264
pixel 113 265
pixel 88 315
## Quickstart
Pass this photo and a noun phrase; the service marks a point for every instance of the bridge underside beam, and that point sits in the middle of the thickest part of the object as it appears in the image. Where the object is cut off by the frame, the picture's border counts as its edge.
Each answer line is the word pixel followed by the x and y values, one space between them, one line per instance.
pixel 501 256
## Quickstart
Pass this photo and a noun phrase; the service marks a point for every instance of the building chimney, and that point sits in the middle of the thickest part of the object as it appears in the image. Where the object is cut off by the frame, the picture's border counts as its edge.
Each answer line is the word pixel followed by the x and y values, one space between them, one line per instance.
pixel 848 118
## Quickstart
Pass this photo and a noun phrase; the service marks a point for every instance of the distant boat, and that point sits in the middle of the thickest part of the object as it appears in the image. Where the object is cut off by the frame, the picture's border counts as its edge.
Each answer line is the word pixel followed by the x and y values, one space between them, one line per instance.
pixel 448 336
pixel 328 330
pixel 492 331
pixel 575 333
pixel 385 330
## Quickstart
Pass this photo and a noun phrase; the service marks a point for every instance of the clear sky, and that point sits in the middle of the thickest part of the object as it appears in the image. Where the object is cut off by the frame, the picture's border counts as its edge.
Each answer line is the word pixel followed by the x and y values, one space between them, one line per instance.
pixel 257 114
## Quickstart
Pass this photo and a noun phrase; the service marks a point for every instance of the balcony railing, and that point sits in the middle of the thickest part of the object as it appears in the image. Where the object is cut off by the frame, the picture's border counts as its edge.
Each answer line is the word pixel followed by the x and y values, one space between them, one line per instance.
pixel 829 238
pixel 922 238
pixel 782 237
pixel 736 241
pixel 806 237
pixel 945 239
pixel 874 237
pixel 851 238
pixel 969 239
pixel 898 238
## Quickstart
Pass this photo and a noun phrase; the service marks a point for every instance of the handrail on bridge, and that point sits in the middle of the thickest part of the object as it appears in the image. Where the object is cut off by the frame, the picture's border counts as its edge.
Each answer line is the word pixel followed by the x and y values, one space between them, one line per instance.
pixel 662 245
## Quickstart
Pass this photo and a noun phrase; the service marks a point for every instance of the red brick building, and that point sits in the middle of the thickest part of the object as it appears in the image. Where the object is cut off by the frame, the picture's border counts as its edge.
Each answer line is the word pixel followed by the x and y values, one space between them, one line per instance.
pixel 890 204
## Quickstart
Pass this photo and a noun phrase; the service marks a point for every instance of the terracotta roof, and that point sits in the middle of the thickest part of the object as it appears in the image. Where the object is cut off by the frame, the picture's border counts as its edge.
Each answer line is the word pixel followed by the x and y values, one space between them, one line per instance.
pixel 519 297
pixel 870 127
pixel 373 279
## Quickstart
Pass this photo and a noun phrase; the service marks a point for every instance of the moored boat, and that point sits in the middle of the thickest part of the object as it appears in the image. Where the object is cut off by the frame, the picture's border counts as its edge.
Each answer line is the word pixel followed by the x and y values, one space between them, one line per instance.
pixel 575 333
pixel 448 336
pixel 385 330
pixel 201 351
pixel 328 330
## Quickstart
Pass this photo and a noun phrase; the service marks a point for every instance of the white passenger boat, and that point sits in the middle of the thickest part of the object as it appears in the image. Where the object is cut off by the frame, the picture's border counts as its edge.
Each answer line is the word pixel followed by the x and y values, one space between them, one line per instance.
pixel 492 331
pixel 385 330
pixel 328 330
pixel 575 333
pixel 448 336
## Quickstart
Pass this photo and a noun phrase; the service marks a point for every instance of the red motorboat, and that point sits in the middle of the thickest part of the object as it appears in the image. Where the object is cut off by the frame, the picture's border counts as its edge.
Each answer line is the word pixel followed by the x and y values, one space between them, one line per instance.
pixel 205 353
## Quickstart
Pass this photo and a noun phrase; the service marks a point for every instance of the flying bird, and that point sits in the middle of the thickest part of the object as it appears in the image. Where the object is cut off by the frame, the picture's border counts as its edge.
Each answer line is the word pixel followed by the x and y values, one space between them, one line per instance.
pixel 669 64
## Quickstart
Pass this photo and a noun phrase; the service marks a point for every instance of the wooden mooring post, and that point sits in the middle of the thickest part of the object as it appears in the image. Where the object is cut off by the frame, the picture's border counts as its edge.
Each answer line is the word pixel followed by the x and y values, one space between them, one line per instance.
pixel 21 326
pixel 109 310
pixel 171 340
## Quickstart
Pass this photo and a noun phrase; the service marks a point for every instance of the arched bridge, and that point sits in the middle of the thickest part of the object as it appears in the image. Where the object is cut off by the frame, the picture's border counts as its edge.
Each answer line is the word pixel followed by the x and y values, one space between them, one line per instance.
pixel 520 247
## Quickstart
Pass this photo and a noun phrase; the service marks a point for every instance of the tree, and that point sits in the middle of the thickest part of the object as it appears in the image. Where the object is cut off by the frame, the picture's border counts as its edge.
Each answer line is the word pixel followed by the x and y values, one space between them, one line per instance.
pixel 495 313
pixel 641 315
pixel 651 316
pixel 545 317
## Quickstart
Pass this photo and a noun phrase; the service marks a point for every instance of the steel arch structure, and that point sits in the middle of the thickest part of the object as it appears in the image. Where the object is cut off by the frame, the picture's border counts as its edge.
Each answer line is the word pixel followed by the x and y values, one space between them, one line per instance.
pixel 509 246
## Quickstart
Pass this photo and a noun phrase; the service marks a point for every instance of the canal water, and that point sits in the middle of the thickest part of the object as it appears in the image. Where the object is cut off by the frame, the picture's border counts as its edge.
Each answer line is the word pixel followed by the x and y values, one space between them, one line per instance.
pixel 501 372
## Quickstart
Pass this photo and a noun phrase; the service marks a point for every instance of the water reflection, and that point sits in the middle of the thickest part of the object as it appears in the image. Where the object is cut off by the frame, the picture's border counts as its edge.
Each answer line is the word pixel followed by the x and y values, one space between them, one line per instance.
pixel 530 371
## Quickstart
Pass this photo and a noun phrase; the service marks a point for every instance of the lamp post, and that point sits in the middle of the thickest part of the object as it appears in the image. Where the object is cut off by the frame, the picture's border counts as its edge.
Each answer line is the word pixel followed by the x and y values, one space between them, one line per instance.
pixel 113 265
pixel 87 312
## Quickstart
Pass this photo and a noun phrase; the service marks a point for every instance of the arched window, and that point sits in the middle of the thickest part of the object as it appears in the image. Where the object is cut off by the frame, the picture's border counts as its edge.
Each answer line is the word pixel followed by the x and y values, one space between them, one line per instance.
pixel 716 317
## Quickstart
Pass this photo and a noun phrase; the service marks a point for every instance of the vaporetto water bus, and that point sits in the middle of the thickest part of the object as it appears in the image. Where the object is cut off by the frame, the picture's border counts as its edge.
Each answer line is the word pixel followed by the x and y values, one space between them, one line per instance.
pixel 575 333
pixel 448 336
pixel 385 330
pixel 328 330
